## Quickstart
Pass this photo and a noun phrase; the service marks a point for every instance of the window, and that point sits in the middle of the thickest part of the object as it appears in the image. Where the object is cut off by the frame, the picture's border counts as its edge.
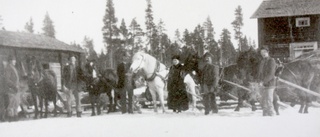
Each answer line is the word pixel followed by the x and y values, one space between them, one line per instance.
pixel 303 22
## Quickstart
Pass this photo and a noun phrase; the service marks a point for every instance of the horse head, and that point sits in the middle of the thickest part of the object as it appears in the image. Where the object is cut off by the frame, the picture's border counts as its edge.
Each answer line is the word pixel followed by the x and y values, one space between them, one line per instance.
pixel 138 61
pixel 34 69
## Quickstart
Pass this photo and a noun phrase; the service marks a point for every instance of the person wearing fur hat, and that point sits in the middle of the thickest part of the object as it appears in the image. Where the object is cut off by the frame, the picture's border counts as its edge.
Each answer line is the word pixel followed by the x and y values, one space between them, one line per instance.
pixel 177 96
pixel 12 88
pixel 209 84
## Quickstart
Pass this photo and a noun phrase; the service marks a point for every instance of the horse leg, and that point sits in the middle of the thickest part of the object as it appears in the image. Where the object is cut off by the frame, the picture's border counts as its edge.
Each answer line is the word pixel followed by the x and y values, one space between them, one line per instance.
pixel 161 98
pixel 154 100
pixel 111 102
pixel 302 103
pixel 240 103
pixel 55 106
pixel 35 103
pixel 253 105
pixel 92 98
pixel 275 103
pixel 41 106
pixel 98 102
pixel 46 103
pixel 308 101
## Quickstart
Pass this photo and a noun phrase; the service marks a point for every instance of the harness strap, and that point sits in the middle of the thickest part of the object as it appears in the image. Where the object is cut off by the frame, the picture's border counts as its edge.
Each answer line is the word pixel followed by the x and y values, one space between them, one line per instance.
pixel 154 74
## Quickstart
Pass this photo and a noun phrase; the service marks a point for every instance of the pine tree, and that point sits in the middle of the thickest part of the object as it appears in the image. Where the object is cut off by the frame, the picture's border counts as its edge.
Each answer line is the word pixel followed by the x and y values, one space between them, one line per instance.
pixel 150 29
pixel 177 36
pixel 136 33
pixel 109 31
pixel 124 32
pixel 48 27
pixel 162 37
pixel 228 52
pixel 210 44
pixel 197 40
pixel 91 54
pixel 237 25
pixel 29 26
pixel 187 38
pixel 245 44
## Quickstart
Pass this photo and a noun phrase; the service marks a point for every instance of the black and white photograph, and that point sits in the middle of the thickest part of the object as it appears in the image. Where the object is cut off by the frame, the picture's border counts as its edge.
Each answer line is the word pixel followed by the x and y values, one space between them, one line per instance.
pixel 159 68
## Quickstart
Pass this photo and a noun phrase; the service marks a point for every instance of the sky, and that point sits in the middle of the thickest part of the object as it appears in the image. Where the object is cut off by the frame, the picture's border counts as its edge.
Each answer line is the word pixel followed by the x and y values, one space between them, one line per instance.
pixel 75 19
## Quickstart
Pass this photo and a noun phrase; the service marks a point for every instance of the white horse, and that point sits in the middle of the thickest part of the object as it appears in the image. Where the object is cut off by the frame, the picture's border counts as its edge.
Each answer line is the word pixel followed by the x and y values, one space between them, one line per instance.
pixel 156 75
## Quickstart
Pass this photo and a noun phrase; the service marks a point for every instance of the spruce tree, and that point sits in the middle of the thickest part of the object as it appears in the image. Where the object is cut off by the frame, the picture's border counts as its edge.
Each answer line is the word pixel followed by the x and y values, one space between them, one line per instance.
pixel 91 54
pixel 29 26
pixel 136 36
pixel 228 51
pixel 109 31
pixel 48 27
pixel 151 32
pixel 237 25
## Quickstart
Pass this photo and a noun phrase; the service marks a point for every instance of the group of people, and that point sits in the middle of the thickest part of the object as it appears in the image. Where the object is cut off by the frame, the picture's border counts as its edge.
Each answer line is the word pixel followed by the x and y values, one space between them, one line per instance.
pixel 73 74
pixel 209 78
pixel 177 95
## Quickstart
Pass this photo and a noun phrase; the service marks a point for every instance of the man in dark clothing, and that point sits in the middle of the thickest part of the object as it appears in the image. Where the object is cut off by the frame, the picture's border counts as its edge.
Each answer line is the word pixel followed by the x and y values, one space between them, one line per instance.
pixel 72 75
pixel 209 83
pixel 12 88
pixel 177 95
pixel 124 84
pixel 266 76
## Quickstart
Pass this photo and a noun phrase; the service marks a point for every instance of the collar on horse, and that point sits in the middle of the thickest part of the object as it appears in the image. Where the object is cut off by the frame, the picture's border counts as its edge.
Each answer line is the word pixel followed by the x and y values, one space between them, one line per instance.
pixel 154 74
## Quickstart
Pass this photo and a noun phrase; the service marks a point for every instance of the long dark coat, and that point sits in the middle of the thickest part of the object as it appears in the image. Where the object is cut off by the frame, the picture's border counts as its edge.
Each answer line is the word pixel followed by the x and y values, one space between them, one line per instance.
pixel 177 95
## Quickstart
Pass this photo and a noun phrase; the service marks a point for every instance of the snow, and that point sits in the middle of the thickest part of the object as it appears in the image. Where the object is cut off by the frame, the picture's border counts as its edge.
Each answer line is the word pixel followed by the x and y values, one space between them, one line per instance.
pixel 226 123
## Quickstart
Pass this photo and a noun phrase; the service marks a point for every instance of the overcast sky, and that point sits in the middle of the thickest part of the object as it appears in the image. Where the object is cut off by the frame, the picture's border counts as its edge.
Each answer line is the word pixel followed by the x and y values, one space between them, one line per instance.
pixel 75 19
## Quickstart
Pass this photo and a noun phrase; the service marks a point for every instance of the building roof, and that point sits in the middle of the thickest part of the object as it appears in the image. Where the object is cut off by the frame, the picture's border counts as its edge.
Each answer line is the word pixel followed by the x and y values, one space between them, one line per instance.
pixel 33 41
pixel 284 8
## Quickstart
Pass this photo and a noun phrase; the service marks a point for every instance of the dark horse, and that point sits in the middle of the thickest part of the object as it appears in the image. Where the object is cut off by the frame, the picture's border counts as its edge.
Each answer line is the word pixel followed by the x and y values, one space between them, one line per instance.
pixel 104 83
pixel 234 74
pixel 42 84
pixel 301 73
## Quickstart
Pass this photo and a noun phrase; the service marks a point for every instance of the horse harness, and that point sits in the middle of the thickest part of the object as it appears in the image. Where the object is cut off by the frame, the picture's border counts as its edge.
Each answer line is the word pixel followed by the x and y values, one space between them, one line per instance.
pixel 155 73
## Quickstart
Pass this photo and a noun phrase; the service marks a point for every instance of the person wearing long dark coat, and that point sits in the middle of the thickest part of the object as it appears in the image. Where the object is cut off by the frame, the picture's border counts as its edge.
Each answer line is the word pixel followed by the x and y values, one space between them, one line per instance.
pixel 177 95
pixel 125 84
pixel 12 88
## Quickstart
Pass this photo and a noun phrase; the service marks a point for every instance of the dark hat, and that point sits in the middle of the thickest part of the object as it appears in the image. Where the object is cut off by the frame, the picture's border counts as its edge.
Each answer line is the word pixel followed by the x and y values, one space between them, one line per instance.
pixel 264 48
pixel 11 57
pixel 175 57
pixel 207 54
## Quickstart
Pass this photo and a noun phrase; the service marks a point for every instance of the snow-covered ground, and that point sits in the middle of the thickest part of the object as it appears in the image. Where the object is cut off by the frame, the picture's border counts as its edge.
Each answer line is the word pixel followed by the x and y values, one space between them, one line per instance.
pixel 226 123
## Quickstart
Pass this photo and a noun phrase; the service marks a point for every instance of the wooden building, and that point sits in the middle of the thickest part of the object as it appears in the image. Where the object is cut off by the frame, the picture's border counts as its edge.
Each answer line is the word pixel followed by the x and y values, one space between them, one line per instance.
pixel 46 49
pixel 288 27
